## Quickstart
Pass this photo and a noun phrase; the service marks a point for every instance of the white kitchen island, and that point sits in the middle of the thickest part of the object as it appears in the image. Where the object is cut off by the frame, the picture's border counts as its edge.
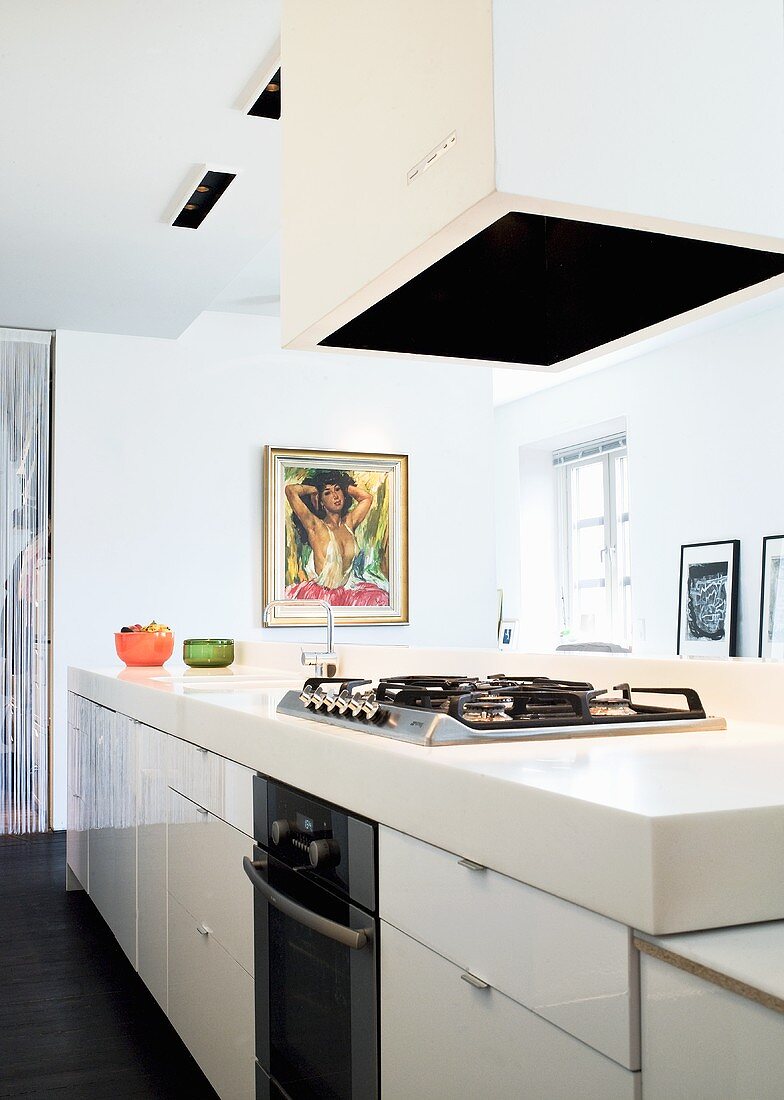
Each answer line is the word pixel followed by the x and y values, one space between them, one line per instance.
pixel 524 866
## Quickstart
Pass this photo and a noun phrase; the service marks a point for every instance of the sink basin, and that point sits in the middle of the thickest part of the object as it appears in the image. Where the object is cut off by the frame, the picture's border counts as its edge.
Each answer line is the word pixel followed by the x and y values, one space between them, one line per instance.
pixel 222 682
pixel 203 676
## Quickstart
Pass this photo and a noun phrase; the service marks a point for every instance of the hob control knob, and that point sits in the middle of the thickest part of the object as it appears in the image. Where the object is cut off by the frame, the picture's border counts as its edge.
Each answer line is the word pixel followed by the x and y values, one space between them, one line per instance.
pixel 356 703
pixel 331 702
pixel 370 705
pixel 324 853
pixel 343 701
pixel 319 698
pixel 281 831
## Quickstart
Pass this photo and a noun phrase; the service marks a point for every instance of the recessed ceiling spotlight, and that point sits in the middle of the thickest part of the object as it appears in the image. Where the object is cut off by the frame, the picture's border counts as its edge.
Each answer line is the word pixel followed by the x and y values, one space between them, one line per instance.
pixel 199 196
pixel 267 104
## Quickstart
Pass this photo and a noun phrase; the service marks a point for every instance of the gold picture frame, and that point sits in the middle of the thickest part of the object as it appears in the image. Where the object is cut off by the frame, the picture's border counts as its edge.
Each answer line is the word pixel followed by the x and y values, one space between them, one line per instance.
pixel 343 538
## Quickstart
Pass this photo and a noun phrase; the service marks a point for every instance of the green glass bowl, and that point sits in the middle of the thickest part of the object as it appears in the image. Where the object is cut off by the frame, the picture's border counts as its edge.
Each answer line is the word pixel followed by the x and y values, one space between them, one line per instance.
pixel 208 652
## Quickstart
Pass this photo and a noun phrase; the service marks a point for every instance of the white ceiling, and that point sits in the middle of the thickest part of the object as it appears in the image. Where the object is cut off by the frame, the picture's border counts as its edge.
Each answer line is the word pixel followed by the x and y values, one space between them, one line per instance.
pixel 109 108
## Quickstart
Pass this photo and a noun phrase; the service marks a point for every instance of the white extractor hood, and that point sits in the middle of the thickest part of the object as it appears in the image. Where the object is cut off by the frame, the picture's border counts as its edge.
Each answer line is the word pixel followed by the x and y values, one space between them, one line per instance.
pixel 531 182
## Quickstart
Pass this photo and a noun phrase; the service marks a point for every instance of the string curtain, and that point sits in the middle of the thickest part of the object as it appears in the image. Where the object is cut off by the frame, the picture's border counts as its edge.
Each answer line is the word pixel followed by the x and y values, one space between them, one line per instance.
pixel 25 386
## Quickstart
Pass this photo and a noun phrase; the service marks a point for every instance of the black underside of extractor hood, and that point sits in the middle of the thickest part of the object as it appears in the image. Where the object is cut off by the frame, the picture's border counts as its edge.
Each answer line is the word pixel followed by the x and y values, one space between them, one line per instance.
pixel 535 289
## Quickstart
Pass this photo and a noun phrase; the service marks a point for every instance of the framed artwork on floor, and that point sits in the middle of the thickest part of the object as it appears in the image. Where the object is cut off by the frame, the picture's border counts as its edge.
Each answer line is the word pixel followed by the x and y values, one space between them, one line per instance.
pixel 708 600
pixel 771 636
pixel 336 529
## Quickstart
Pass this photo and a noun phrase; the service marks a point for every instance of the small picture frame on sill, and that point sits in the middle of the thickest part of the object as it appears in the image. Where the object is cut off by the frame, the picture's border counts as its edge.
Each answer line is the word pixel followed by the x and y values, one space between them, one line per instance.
pixel 771 635
pixel 708 600
pixel 507 634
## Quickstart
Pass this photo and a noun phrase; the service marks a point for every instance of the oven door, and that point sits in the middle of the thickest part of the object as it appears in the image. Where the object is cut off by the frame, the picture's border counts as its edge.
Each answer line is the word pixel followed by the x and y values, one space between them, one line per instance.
pixel 316 988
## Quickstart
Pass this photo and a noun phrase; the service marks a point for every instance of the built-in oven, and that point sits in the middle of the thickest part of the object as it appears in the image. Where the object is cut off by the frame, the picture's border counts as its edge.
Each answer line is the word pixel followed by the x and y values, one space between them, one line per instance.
pixel 316 948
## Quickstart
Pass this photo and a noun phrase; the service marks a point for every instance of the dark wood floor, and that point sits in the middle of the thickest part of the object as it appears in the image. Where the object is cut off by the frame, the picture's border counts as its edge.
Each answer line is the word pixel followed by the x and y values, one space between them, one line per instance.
pixel 75 1020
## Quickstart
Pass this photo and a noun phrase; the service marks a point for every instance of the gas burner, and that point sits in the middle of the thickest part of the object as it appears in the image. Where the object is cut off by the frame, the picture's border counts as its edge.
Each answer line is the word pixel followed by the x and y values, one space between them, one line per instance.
pixel 456 710
pixel 484 707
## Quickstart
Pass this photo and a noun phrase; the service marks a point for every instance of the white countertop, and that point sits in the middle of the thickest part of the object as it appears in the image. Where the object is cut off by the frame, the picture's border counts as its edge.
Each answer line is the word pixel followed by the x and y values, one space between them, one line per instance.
pixel 667 832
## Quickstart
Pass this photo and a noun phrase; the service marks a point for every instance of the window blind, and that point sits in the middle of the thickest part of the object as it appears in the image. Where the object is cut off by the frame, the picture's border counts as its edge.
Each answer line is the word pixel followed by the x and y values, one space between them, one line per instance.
pixel 589 450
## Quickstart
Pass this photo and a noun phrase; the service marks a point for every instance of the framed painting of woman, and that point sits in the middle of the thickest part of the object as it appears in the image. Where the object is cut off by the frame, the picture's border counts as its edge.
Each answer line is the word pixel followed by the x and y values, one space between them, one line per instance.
pixel 336 529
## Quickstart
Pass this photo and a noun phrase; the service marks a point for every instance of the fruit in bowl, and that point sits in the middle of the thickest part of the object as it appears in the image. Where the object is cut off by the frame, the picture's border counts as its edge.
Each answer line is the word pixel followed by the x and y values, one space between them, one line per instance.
pixel 151 628
pixel 144 646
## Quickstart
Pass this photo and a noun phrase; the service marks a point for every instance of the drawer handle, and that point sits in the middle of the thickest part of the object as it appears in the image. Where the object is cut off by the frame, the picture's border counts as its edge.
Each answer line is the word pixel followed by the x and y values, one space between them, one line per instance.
pixel 477 983
pixel 199 748
pixel 203 930
pixel 469 863
pixel 202 812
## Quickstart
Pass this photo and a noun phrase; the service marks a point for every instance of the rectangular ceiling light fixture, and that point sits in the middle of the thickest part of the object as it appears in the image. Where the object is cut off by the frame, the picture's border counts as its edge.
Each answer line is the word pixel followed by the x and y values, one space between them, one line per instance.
pixel 204 196
pixel 267 103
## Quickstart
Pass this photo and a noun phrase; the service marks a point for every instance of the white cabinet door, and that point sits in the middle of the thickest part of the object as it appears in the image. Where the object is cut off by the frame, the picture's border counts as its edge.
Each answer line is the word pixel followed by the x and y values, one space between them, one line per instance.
pixel 221 786
pixel 574 967
pixel 211 1005
pixel 113 832
pixel 206 875
pixel 80 780
pixel 702 1042
pixel 444 1038
pixel 152 804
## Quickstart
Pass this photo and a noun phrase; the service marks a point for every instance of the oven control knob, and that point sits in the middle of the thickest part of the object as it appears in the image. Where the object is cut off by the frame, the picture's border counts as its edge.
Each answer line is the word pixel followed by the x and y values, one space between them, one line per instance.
pixel 281 831
pixel 324 853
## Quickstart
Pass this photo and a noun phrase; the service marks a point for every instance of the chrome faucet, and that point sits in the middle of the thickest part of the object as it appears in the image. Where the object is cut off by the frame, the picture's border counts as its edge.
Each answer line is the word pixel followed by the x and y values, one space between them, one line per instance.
pixel 316 659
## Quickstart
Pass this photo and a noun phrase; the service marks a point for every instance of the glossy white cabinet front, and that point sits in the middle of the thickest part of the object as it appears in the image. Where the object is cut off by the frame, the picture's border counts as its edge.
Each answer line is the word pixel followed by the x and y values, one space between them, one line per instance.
pixel 112 836
pixel 211 1005
pixel 444 1039
pixel 207 877
pixel 702 1042
pixel 80 788
pixel 152 812
pixel 221 786
pixel 571 966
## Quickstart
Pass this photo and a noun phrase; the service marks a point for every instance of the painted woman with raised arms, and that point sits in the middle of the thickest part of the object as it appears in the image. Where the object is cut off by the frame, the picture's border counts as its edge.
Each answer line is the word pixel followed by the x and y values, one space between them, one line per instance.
pixel 329 506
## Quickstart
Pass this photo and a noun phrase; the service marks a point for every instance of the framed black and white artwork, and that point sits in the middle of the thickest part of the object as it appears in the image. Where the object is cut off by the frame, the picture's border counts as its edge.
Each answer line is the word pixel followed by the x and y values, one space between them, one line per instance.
pixel 507 634
pixel 771 639
pixel 708 602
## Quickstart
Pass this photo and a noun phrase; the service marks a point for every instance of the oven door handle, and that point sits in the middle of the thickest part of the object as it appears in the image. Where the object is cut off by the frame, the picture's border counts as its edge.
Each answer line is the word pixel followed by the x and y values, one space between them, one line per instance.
pixel 356 940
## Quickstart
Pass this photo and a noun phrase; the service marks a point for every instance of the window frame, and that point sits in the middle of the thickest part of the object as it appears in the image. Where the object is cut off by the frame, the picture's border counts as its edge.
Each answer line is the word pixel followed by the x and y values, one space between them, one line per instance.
pixel 608 452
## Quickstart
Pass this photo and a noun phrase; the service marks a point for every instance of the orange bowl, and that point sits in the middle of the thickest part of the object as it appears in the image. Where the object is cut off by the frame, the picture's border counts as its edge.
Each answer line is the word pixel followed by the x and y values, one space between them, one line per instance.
pixel 144 649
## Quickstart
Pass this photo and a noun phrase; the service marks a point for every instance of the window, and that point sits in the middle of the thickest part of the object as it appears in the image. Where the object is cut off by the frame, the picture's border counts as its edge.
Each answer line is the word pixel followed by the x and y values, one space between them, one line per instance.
pixel 595 588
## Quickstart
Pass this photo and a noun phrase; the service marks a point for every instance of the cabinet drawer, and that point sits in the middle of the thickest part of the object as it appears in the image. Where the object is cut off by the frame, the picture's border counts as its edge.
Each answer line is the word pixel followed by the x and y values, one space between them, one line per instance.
pixel 231 793
pixel 188 769
pixel 442 1038
pixel 568 964
pixel 206 875
pixel 211 1006
pixel 219 785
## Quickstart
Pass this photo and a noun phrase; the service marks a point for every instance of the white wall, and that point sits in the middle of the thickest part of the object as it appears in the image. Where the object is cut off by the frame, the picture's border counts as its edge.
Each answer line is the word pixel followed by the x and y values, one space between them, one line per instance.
pixel 158 484
pixel 705 463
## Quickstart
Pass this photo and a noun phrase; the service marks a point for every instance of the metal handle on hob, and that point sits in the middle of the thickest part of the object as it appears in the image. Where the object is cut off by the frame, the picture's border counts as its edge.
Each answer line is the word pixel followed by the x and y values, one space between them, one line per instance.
pixel 356 940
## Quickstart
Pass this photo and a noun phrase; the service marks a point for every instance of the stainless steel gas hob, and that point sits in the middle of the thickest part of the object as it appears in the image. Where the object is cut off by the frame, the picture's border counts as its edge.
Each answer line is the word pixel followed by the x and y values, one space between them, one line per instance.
pixel 464 710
